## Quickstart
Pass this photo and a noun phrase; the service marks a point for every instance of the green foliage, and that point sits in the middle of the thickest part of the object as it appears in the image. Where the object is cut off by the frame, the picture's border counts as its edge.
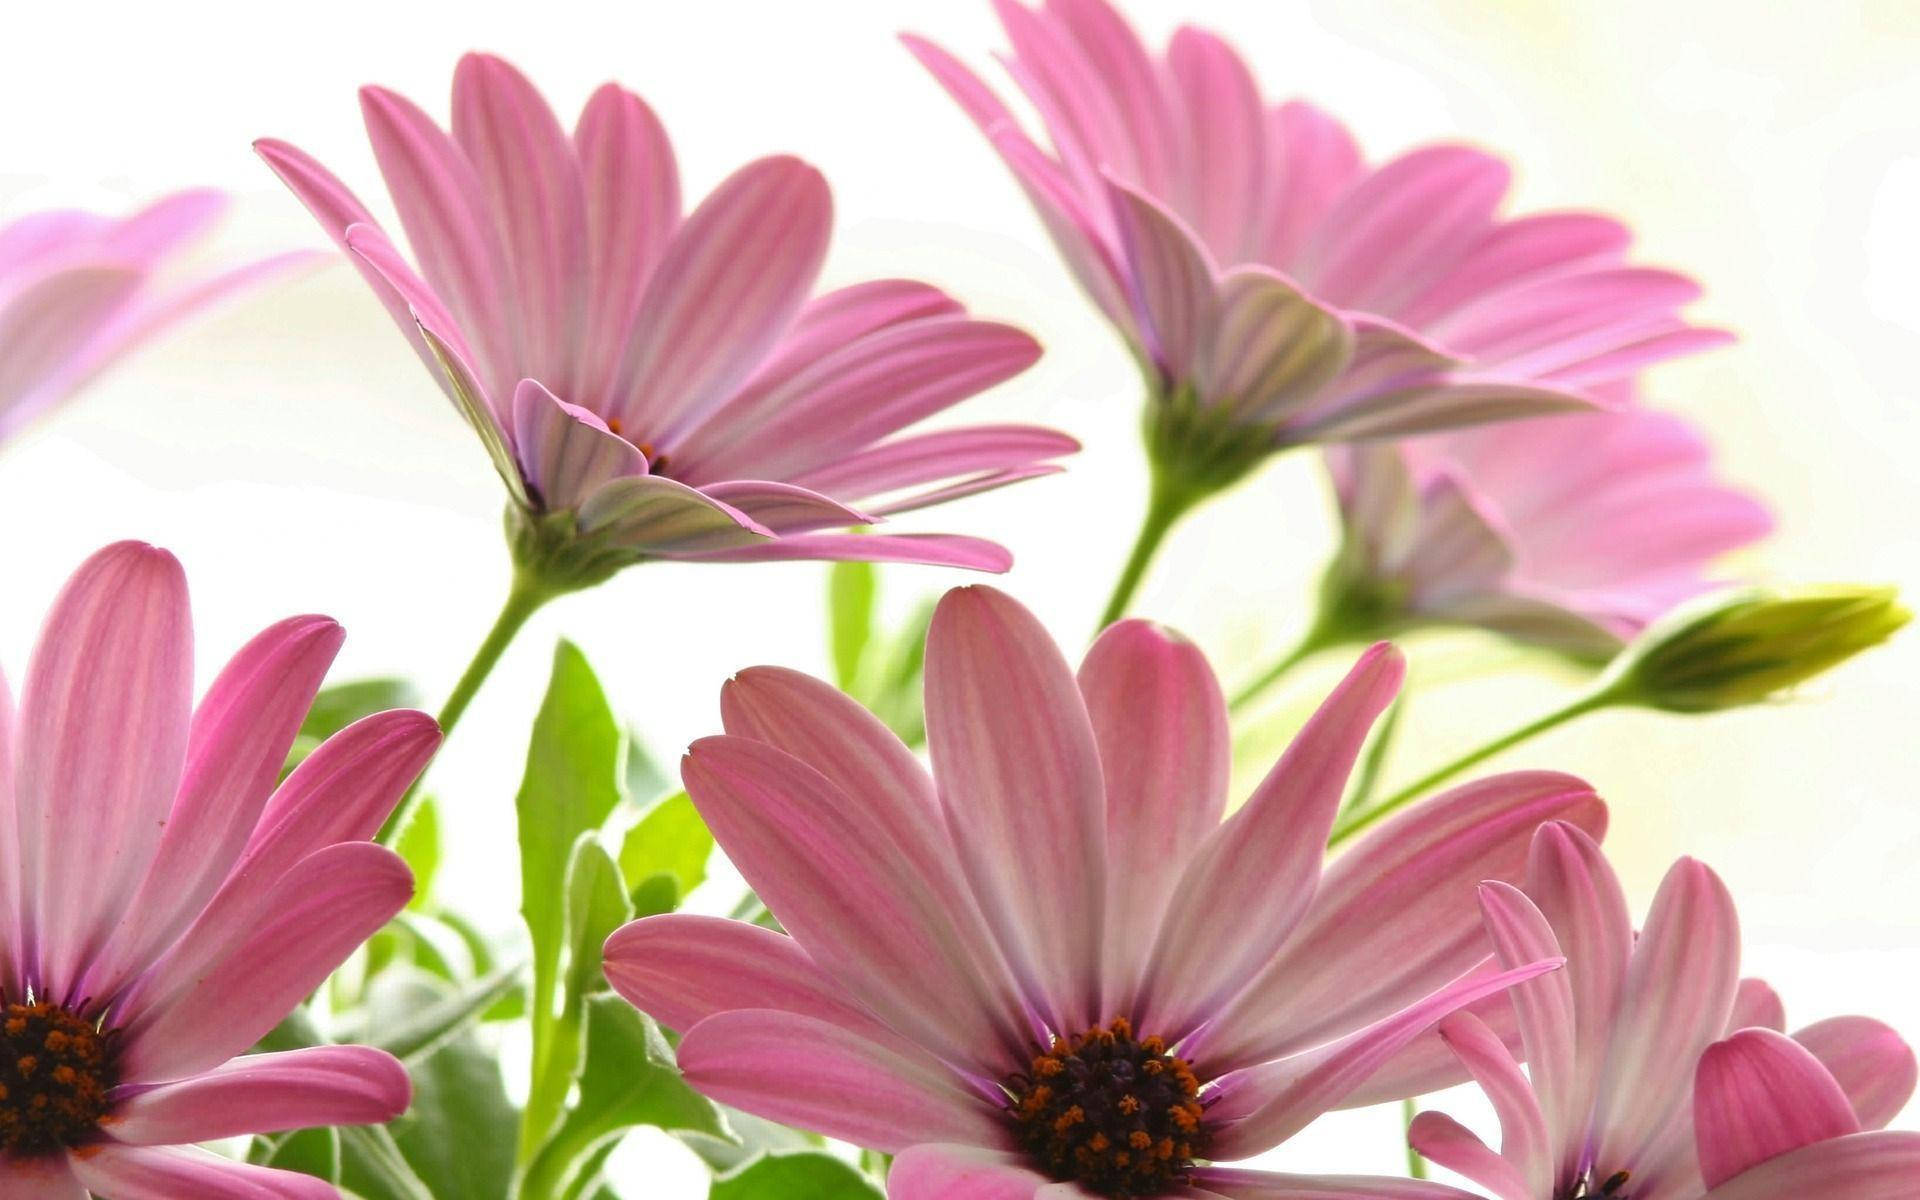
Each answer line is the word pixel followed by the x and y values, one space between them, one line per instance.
pixel 341 704
pixel 419 845
pixel 810 1176
pixel 852 589
pixel 671 841
pixel 882 671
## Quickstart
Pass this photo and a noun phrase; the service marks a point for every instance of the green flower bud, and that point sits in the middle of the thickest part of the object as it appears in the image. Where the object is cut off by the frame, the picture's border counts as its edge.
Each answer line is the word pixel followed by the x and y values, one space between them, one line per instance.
pixel 1746 647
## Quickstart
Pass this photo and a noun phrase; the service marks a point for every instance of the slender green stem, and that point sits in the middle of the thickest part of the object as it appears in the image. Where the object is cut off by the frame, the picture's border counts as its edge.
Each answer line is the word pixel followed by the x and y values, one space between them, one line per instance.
pixel 1165 506
pixel 1315 640
pixel 524 598
pixel 1360 818
pixel 1409 1109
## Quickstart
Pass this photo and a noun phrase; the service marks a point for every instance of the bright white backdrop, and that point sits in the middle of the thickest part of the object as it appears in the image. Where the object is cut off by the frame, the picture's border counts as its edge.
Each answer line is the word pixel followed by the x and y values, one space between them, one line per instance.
pixel 294 455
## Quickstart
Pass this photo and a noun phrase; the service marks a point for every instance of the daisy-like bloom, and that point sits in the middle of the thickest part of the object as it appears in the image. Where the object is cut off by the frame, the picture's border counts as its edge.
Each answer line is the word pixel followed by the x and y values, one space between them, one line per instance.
pixel 657 385
pixel 1573 532
pixel 1275 288
pixel 1050 967
pixel 163 904
pixel 79 290
pixel 1605 1106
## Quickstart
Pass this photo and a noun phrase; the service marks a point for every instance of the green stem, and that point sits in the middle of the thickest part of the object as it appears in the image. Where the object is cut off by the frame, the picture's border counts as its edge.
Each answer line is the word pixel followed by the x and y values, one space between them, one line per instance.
pixel 524 598
pixel 1416 1166
pixel 1165 506
pixel 1359 819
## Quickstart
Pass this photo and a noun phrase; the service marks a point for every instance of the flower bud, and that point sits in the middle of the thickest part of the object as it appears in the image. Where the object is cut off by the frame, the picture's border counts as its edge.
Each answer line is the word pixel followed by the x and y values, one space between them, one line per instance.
pixel 1745 647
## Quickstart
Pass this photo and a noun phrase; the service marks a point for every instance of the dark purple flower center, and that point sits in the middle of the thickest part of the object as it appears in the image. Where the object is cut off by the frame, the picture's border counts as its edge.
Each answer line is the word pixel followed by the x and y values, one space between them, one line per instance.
pixel 1117 1115
pixel 56 1069
pixel 1609 1187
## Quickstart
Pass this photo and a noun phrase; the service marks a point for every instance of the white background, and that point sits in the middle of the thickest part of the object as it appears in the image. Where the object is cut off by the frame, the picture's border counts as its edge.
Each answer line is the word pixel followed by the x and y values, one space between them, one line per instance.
pixel 292 452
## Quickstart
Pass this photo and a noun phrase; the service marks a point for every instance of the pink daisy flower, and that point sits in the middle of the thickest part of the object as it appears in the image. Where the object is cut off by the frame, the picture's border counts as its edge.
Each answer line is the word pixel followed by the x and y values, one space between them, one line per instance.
pixel 1605 1106
pixel 1278 290
pixel 1575 532
pixel 163 904
pixel 78 291
pixel 1054 966
pixel 657 385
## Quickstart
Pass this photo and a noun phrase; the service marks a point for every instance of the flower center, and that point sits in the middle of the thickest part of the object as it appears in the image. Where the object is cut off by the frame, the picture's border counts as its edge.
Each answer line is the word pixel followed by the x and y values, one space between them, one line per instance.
pixel 656 463
pixel 56 1069
pixel 1613 1187
pixel 1117 1115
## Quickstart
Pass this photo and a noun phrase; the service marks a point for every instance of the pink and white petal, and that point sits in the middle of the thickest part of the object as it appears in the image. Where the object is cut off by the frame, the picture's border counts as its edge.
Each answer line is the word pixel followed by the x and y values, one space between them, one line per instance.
pixel 1263 865
pixel 1880 1165
pixel 42 1177
pixel 343 791
pixel 829 731
pixel 650 514
pixel 1081 229
pixel 221 988
pixel 805 1072
pixel 923 458
pixel 1526 1138
pixel 1125 70
pixel 632 194
pixel 726 288
pixel 1550 1036
pixel 147 236
pixel 1757 1005
pixel 1463 551
pixel 1020 780
pixel 925 549
pixel 1270 348
pixel 530 183
pixel 170 1172
pixel 785 508
pixel 101 742
pixel 463 387
pixel 1427 1066
pixel 10 937
pixel 1241 1184
pixel 1160 722
pixel 1873 1065
pixel 1262 1106
pixel 1445 402
pixel 1440 1139
pixel 682 968
pixel 441 207
pixel 853 895
pixel 566 453
pixel 1674 1003
pixel 1227 174
pixel 236 748
pixel 960 489
pixel 267 1093
pixel 44 326
pixel 1171 279
pixel 1758 1095
pixel 945 1171
pixel 1396 915
pixel 1318 161
pixel 831 320
pixel 1518 252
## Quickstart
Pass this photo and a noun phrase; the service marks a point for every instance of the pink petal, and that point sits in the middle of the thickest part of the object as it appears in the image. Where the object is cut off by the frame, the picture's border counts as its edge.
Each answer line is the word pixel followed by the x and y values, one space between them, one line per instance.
pixel 683 968
pixel 267 1093
pixel 929 549
pixel 531 185
pixel 931 1171
pixel 1161 726
pixel 1873 1065
pixel 439 199
pixel 170 1172
pixel 1525 1135
pixel 726 288
pixel 922 458
pixel 1428 406
pixel 1171 279
pixel 1020 780
pixel 565 452
pixel 1674 1002
pixel 831 320
pixel 973 485
pixel 651 514
pixel 1426 1066
pixel 784 508
pixel 222 988
pixel 1120 66
pixel 633 206
pixel 1516 252
pixel 1863 1166
pixel 804 1072
pixel 236 749
pixel 1239 1184
pixel 1757 1004
pixel 1263 1106
pixel 1317 160
pixel 51 322
pixel 102 739
pixel 1265 861
pixel 46 1177
pixel 1443 1140
pixel 1395 915
pixel 1270 348
pixel 855 894
pixel 10 936
pixel 1225 139
pixel 1758 1095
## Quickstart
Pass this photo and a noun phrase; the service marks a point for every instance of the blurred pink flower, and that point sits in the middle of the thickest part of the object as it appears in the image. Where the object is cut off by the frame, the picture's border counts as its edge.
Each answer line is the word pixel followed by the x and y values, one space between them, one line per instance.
pixel 1060 908
pixel 163 904
pixel 662 382
pixel 1612 1042
pixel 78 291
pixel 1274 287
pixel 1574 531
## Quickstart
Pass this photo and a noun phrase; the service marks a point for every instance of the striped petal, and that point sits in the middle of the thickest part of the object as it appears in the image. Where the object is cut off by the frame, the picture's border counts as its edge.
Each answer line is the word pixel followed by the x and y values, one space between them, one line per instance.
pixel 267 1093
pixel 1758 1095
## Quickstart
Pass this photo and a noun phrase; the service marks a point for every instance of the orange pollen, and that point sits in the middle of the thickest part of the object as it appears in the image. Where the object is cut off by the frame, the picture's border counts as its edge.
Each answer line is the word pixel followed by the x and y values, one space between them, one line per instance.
pixel 56 1072
pixel 1113 1113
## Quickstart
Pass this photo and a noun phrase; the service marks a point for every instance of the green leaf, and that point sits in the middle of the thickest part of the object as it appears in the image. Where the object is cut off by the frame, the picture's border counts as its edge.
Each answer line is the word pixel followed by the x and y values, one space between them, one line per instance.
pixel 423 1031
pixel 752 1137
pixel 314 1152
pixel 372 1167
pixel 895 696
pixel 851 588
pixel 575 760
pixel 458 1136
pixel 630 1079
pixel 795 1177
pixel 342 704
pixel 670 840
pixel 646 779
pixel 419 845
